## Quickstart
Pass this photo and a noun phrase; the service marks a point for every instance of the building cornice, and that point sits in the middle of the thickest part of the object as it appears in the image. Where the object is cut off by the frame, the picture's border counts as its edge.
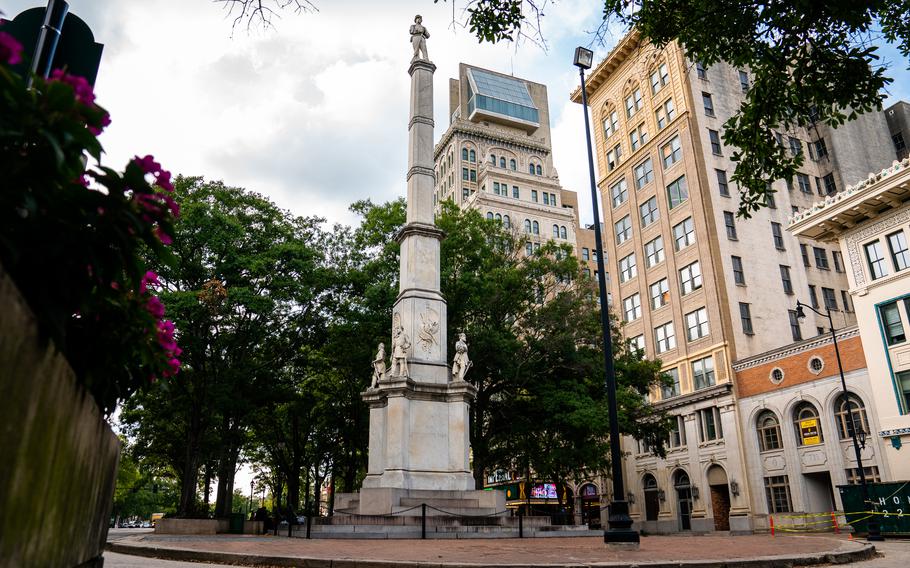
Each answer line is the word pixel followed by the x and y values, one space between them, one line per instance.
pixel 461 126
pixel 695 396
pixel 793 349
pixel 827 219
pixel 610 63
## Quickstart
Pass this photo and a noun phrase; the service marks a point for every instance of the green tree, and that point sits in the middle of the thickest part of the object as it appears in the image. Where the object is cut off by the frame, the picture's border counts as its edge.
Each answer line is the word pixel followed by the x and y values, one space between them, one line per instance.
pixel 810 62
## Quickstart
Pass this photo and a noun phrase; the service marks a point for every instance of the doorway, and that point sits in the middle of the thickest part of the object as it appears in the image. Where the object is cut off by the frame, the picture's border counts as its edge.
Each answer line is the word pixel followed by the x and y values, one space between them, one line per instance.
pixel 590 506
pixel 819 492
pixel 720 497
pixel 652 498
pixel 683 499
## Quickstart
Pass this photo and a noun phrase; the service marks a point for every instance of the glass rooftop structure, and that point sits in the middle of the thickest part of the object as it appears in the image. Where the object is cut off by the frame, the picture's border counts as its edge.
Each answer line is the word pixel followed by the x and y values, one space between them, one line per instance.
pixel 502 98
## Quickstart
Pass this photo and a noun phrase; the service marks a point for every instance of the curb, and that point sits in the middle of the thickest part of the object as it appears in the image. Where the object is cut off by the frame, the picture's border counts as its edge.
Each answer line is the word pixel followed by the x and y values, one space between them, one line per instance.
pixel 866 552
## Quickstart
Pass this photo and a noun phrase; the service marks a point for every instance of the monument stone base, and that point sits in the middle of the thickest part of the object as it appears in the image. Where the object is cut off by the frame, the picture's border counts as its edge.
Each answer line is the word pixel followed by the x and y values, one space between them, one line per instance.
pixel 408 502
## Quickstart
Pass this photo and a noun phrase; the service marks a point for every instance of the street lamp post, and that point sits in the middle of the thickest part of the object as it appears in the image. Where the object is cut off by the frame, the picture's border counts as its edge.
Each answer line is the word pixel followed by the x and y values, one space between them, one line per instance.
pixel 872 524
pixel 249 507
pixel 620 524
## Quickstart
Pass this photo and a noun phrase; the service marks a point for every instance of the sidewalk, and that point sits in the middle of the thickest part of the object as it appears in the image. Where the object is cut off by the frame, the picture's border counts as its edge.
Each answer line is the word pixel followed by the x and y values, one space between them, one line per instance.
pixel 656 551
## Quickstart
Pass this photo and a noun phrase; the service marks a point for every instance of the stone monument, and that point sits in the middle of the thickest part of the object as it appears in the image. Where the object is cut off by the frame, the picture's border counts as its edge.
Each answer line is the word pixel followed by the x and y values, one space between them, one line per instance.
pixel 419 421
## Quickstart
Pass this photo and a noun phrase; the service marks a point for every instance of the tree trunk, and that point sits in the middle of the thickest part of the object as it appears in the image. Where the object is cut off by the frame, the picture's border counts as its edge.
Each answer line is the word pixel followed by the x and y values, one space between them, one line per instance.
pixel 190 477
pixel 208 485
pixel 332 494
pixel 306 492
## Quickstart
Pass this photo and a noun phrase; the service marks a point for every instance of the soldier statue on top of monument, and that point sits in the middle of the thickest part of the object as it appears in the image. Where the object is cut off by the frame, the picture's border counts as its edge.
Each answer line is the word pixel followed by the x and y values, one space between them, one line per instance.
pixel 419 36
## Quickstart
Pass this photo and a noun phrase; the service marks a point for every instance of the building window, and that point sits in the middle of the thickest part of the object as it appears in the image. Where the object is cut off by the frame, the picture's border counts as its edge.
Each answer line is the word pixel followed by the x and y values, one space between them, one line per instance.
pixel 506 222
pixel 722 183
pixel 777 490
pixel 619 192
pixel 627 268
pixel 659 78
pixel 665 114
pixel 739 275
pixel 709 424
pixel 623 229
pixel 700 70
pixel 631 307
pixel 671 152
pixel 539 170
pixel 553 199
pixel 690 278
pixel 677 434
pixel 512 165
pixel 845 299
pixel 697 324
pixel 684 233
pixel 473 175
pixel 794 326
pixel 528 226
pixel 585 253
pixel 555 231
pixel 611 124
pixel 562 232
pixel 785 279
pixel 493 159
pixel 744 81
pixel 536 226
pixel 672 389
pixel 649 212
pixel 546 198
pixel 830 185
pixel 534 195
pixel 654 251
pixel 613 157
pixel 778 236
pixel 664 337
pixel 644 173
pixel 821 149
pixel 804 185
pixel 769 437
pixel 796 146
pixel 529 249
pixel 531 169
pixel 677 192
pixel 745 317
pixel 715 142
pixel 897 242
pixel 803 413
pixel 464 154
pixel 633 102
pixel 703 373
pixel 891 321
pixel 876 260
pixel 849 411
pixel 489 216
pixel 638 137
pixel 830 298
pixel 903 380
pixel 502 162
pixel 804 250
pixel 730 223
pixel 813 297
pixel 709 104
pixel 660 293
pixel 870 473
pixel 821 258
pixel 838 261
pixel 464 174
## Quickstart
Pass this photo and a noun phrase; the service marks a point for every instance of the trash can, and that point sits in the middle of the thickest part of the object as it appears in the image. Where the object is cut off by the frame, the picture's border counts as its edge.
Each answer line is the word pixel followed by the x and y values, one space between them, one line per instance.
pixel 235 523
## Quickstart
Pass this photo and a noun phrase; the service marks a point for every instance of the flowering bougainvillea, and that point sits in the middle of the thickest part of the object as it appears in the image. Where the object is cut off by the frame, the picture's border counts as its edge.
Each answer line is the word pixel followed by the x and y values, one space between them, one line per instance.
pixel 78 239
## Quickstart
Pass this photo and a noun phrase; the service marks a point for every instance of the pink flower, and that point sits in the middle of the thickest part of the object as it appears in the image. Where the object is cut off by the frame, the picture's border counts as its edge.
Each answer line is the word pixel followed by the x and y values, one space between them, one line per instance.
pixel 147 164
pixel 81 87
pixel 163 237
pixel 82 180
pixel 10 49
pixel 105 122
pixel 149 278
pixel 164 180
pixel 155 307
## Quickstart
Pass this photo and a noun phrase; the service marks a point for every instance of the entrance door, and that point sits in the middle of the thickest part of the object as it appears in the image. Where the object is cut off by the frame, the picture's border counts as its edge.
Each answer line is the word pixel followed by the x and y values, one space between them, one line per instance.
pixel 720 497
pixel 652 498
pixel 684 500
pixel 720 503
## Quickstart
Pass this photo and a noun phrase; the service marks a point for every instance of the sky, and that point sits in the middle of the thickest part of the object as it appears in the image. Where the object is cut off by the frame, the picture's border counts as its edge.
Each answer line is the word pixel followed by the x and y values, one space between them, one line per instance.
pixel 313 113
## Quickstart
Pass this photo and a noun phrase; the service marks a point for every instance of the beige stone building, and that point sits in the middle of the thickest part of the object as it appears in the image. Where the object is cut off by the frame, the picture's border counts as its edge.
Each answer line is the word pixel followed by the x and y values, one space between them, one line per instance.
pixel 696 286
pixel 496 156
pixel 871 224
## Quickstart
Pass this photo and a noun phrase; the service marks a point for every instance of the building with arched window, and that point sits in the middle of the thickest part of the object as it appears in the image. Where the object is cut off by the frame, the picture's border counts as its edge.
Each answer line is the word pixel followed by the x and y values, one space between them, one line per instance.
pixel 500 126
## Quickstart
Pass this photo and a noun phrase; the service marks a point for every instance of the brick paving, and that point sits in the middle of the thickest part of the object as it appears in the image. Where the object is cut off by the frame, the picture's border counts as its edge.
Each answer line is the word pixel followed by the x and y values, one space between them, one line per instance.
pixel 583 550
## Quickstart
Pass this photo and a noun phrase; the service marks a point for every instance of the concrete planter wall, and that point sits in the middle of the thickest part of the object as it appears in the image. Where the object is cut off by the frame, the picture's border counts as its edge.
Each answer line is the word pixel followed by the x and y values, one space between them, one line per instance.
pixel 58 456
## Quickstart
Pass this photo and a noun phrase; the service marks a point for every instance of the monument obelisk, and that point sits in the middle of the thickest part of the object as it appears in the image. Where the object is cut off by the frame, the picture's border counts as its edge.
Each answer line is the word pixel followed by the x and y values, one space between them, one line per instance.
pixel 419 421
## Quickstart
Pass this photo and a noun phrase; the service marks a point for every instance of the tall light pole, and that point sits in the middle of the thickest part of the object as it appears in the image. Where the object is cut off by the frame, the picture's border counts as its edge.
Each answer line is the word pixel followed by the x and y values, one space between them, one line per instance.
pixel 620 524
pixel 872 524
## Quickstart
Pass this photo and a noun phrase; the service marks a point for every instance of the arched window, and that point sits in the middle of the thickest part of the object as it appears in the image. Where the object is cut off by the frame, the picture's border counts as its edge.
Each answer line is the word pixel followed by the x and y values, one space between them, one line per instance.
pixel 512 164
pixel 555 231
pixel 652 497
pixel 506 222
pixel 562 233
pixel 531 168
pixel 493 159
pixel 499 217
pixel 803 415
pixel 527 225
pixel 464 153
pixel 472 156
pixel 768 431
pixel 849 410
pixel 489 215
pixel 539 170
pixel 536 228
pixel 502 162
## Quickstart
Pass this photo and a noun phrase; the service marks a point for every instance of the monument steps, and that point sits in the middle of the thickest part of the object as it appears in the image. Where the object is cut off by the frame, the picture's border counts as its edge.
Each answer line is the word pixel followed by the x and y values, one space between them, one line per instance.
pixel 387 531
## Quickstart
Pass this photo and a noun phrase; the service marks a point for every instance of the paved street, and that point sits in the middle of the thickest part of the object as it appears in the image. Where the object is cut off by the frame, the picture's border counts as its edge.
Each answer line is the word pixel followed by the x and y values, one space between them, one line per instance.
pixel 114 560
pixel 894 555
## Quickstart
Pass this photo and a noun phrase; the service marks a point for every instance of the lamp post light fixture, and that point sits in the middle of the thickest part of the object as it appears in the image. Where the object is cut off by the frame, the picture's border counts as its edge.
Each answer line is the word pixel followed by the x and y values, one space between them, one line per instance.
pixel 872 524
pixel 620 530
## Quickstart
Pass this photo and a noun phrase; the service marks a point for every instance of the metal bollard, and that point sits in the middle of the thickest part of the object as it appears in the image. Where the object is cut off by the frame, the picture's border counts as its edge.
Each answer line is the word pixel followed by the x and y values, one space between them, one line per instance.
pixel 308 523
pixel 423 520
pixel 521 525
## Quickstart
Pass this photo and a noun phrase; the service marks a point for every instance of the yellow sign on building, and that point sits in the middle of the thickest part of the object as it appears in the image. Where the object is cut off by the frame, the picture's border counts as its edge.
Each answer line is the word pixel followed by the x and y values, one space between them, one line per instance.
pixel 808 429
